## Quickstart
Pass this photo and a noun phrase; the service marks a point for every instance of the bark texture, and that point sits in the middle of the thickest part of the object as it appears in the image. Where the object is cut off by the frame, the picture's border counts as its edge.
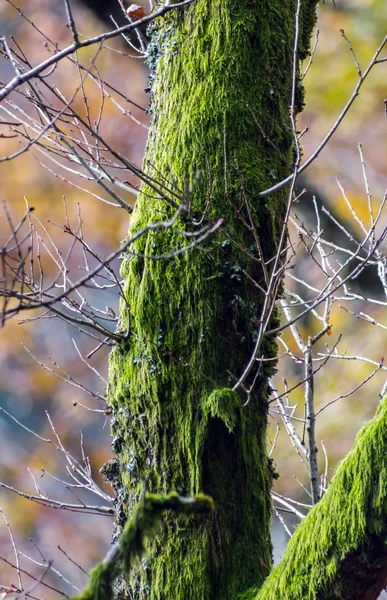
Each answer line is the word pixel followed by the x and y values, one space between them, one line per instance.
pixel 221 76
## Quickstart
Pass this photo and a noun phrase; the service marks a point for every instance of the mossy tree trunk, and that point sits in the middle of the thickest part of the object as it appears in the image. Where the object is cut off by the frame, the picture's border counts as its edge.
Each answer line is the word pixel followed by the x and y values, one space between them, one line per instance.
pixel 221 76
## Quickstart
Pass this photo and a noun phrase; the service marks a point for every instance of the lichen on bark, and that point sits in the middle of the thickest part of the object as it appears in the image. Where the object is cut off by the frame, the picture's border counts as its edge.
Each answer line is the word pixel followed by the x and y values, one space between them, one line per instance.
pixel 221 75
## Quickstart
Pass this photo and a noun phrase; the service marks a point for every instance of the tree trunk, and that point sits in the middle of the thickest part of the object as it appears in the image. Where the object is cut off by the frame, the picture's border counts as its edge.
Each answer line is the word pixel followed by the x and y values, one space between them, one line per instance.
pixel 220 96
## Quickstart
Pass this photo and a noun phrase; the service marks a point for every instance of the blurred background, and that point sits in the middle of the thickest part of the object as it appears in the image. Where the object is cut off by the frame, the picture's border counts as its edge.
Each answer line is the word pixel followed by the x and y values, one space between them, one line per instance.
pixel 28 392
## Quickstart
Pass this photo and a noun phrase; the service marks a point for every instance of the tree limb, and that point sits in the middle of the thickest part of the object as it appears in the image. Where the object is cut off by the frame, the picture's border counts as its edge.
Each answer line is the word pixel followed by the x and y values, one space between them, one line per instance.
pixel 339 550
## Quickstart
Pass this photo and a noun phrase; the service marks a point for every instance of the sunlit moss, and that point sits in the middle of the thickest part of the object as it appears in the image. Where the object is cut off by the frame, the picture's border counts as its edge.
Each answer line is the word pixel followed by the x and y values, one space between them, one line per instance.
pixel 348 521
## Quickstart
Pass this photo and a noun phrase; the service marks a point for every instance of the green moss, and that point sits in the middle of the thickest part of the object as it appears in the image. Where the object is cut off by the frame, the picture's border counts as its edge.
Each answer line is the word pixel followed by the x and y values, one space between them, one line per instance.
pixel 219 67
pixel 223 403
pixel 131 544
pixel 345 527
pixel 249 594
pixel 100 584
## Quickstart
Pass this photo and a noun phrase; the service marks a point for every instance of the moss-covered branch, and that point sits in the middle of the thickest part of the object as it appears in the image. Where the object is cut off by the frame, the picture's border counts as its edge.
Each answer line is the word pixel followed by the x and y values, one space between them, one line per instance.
pixel 339 552
pixel 131 545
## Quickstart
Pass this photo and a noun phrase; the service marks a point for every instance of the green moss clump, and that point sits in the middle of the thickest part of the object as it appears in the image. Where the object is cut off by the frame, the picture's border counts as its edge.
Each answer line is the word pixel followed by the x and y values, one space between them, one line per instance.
pixel 223 403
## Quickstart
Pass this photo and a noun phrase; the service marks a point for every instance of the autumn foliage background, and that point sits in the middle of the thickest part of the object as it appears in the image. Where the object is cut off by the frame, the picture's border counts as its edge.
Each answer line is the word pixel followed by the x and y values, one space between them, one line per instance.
pixel 27 391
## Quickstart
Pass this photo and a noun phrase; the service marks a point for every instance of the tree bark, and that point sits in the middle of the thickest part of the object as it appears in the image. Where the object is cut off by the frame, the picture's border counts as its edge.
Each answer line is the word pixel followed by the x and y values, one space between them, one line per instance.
pixel 220 94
